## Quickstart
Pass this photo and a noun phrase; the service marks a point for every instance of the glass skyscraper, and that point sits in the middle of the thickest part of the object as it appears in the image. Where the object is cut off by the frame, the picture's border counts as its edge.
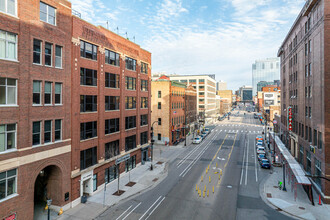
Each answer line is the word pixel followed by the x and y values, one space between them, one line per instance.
pixel 265 70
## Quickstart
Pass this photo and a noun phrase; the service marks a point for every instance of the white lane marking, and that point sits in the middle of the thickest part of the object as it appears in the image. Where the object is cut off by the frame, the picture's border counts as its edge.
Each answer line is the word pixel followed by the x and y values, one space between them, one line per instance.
pixel 123 212
pixel 247 161
pixel 242 173
pixel 255 161
pixel 131 211
pixel 150 207
pixel 220 131
pixel 155 208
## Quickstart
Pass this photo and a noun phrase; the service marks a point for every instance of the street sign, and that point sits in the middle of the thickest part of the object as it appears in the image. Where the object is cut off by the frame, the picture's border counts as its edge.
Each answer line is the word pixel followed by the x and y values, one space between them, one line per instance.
pixel 290 117
pixel 123 158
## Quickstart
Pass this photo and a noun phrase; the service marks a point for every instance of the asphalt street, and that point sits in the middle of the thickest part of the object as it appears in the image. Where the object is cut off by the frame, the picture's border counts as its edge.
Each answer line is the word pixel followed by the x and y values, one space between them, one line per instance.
pixel 217 179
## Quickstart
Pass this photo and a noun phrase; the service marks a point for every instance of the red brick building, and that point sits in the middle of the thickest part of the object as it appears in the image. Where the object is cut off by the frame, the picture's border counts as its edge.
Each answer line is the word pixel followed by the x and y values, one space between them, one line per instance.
pixel 305 66
pixel 110 106
pixel 190 107
pixel 35 97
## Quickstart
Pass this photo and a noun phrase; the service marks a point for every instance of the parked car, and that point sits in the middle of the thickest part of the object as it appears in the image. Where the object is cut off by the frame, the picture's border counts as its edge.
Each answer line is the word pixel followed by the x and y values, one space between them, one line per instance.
pixel 265 164
pixel 262 156
pixel 207 130
pixel 197 140
pixel 260 148
pixel 261 152
pixel 259 138
pixel 259 143
pixel 203 136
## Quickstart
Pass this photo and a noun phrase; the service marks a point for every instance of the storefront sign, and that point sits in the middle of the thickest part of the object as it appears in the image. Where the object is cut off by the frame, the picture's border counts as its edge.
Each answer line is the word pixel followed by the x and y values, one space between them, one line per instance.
pixel 121 159
pixel 11 217
pixel 290 118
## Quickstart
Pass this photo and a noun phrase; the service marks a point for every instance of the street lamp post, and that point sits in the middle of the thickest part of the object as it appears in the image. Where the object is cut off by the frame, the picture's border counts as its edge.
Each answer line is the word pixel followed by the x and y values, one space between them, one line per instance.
pixel 49 202
pixel 152 143
pixel 284 188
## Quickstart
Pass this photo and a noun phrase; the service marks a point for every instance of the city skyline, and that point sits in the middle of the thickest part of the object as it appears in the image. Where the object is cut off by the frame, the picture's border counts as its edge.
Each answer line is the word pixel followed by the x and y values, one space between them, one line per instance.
pixel 238 32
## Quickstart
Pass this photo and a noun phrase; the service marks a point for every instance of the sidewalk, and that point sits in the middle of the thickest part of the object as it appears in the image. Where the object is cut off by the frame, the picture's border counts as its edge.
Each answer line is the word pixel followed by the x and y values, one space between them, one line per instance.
pixel 144 179
pixel 301 208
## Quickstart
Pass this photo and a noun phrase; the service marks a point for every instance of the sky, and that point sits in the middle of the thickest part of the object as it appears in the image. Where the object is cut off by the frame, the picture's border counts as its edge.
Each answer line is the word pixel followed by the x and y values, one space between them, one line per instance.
pixel 221 37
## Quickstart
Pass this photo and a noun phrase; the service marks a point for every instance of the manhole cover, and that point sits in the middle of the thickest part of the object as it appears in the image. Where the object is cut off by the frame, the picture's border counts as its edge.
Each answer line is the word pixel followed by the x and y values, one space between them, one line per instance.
pixel 159 162
pixel 276 187
pixel 229 186
pixel 154 180
pixel 269 195
pixel 302 208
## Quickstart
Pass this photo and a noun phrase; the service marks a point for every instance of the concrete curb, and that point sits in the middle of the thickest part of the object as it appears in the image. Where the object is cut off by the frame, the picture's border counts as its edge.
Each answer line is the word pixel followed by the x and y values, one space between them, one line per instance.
pixel 262 192
pixel 164 172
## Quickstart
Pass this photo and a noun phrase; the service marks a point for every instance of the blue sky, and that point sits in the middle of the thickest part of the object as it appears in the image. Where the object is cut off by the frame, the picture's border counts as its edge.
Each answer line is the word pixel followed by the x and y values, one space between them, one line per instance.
pixel 222 37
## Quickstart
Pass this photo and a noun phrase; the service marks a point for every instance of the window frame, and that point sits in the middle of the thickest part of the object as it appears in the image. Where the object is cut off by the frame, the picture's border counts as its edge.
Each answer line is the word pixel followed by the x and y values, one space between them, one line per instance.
pixel 49 54
pixel 144 85
pixel 56 130
pixel 83 78
pixel 144 68
pixel 40 96
pixel 108 80
pixel 130 83
pixel 83 158
pixel 144 102
pixel 130 101
pixel 83 130
pixel 47 13
pixel 133 141
pixel 130 64
pixel 109 104
pixel 93 103
pixel 114 145
pixel 5 133
pixel 130 122
pixel 60 94
pixel 51 132
pixel 6 179
pixel 48 93
pixel 144 136
pixel 144 120
pixel 40 52
pixel 7 45
pixel 36 133
pixel 7 91
pixel 6 9
pixel 108 57
pixel 110 124
pixel 83 50
pixel 59 57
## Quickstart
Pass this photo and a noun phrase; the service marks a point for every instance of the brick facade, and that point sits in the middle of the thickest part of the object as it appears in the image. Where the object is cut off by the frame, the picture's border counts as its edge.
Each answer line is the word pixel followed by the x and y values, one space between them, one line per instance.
pixel 105 40
pixel 304 75
pixel 30 160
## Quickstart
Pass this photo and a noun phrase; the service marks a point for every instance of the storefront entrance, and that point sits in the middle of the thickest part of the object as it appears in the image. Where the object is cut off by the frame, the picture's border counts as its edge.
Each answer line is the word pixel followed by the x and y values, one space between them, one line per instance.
pixel 144 155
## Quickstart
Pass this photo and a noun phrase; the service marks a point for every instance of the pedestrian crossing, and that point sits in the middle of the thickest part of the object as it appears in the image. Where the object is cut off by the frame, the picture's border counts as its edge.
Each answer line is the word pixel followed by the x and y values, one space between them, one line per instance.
pixel 240 125
pixel 238 131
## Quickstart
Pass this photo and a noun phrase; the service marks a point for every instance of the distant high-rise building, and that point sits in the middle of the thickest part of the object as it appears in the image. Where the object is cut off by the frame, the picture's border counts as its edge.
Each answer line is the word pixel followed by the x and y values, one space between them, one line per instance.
pixel 246 93
pixel 221 85
pixel 265 70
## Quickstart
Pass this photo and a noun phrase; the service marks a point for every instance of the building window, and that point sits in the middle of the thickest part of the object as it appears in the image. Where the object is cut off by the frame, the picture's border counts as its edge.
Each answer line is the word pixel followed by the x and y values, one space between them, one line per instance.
pixel 130 64
pixel 201 80
pixel 111 80
pixel 88 158
pixel 144 68
pixel 315 138
pixel 7 137
pixel 130 143
pixel 144 120
pixel 130 83
pixel 8 45
pixel 130 122
pixel 88 77
pixel 159 94
pixel 159 105
pixel 318 172
pixel 88 50
pixel 37 44
pixel 110 174
pixel 144 102
pixel 111 103
pixel 94 182
pixel 8 91
pixel 310 112
pixel 192 80
pixel 159 121
pixel 58 56
pixel 48 93
pixel 130 102
pixel 36 92
pixel 47 13
pixel 130 163
pixel 88 130
pixel 8 183
pixel 309 161
pixel 144 138
pixel 111 58
pixel 310 69
pixel 159 137
pixel 47 131
pixel 310 135
pixel 144 85
pixel 88 103
pixel 48 54
pixel 58 129
pixel 111 149
pixel 36 133
pixel 319 142
pixel 301 154
pixel 111 126
pixel 9 7
pixel 58 93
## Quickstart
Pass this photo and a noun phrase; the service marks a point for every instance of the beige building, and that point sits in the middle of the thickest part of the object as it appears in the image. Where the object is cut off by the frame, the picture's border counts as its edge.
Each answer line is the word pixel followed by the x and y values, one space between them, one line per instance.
pixel 205 86
pixel 167 108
